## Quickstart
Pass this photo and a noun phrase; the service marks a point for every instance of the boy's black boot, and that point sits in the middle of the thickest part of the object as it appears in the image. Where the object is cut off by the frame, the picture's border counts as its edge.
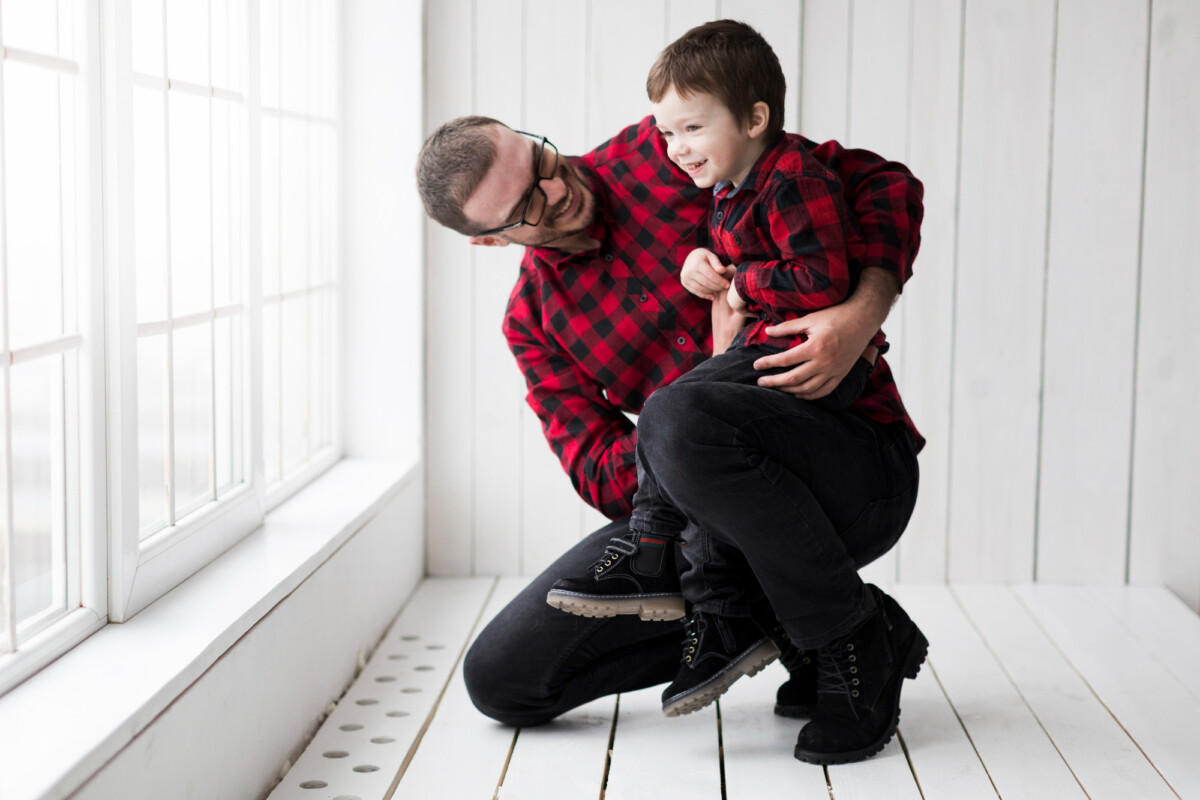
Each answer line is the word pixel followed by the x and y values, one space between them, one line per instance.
pixel 636 575
pixel 860 677
pixel 716 652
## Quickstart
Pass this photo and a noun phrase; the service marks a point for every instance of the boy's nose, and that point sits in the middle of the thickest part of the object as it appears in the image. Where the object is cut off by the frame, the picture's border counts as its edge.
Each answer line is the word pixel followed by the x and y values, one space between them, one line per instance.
pixel 676 148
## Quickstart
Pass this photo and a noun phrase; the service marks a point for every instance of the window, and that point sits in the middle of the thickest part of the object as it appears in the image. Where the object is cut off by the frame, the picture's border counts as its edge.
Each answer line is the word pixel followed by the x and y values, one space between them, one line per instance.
pixel 168 295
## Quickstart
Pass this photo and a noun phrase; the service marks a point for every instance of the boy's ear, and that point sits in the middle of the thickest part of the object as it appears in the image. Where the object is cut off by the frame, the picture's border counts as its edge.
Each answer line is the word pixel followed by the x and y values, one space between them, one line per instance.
pixel 488 241
pixel 760 116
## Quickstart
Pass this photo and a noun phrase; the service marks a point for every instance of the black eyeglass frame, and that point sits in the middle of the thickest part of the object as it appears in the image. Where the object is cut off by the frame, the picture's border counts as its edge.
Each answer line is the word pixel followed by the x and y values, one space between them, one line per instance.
pixel 536 187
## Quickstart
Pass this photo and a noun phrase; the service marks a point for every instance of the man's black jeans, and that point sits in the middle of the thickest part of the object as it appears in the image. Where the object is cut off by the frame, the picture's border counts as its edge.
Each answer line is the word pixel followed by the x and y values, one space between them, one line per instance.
pixel 806 496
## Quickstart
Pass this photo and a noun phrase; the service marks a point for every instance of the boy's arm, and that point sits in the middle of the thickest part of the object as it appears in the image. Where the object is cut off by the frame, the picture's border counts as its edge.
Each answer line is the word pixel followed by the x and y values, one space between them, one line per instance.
pixel 806 225
pixel 593 440
pixel 886 200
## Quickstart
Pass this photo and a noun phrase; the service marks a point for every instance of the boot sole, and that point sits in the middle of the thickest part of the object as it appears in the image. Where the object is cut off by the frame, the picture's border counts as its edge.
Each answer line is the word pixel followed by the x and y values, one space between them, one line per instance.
pixel 649 608
pixel 912 666
pixel 747 664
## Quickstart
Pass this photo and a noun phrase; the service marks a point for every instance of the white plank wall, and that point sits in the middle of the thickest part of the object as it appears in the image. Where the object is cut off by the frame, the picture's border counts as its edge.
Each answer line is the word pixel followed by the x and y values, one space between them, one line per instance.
pixel 1041 345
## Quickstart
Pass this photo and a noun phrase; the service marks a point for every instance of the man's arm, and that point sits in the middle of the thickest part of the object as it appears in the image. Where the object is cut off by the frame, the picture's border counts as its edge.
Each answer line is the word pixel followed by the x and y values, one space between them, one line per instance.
pixel 886 201
pixel 593 440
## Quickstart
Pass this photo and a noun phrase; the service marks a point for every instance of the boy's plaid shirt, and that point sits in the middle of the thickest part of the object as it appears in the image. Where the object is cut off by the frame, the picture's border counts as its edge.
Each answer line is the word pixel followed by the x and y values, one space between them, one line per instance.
pixel 797 249
pixel 596 332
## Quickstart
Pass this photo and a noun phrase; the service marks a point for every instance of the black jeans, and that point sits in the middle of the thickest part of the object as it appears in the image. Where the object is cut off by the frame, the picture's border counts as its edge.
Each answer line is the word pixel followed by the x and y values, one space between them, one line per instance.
pixel 717 579
pixel 803 496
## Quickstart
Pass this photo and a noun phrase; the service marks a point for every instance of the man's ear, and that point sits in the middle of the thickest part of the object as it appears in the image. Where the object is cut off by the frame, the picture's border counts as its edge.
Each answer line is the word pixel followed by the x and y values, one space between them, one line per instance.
pixel 488 241
pixel 760 115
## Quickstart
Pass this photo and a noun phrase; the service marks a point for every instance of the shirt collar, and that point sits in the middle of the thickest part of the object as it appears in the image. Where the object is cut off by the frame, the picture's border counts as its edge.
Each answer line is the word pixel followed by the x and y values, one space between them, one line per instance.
pixel 766 160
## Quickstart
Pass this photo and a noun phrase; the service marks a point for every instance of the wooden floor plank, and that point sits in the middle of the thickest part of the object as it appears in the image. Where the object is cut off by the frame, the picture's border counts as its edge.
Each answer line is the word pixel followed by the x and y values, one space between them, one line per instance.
pixel 383 712
pixel 1104 759
pixel 458 735
pixel 1163 623
pixel 655 756
pixel 564 759
pixel 758 745
pixel 943 759
pixel 1017 753
pixel 884 775
pixel 1158 711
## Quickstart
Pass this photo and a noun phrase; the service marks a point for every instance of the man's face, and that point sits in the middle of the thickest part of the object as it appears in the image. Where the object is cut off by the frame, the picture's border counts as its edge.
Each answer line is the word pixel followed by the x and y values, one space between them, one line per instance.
pixel 502 194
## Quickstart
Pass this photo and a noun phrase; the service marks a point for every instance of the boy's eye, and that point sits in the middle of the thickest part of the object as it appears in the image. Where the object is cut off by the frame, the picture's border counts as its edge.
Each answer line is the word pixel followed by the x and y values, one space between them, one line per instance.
pixel 693 128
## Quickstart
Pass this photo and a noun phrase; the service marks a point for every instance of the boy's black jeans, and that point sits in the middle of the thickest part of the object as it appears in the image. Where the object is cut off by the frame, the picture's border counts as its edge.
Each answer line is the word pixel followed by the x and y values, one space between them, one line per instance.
pixel 798 495
pixel 716 579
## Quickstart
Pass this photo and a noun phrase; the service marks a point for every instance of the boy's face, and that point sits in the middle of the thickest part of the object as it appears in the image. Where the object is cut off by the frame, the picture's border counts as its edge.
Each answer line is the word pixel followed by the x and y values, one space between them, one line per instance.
pixel 705 139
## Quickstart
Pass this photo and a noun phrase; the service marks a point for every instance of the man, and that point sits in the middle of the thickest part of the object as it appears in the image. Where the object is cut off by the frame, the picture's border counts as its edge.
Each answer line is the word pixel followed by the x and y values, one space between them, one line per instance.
pixel 598 320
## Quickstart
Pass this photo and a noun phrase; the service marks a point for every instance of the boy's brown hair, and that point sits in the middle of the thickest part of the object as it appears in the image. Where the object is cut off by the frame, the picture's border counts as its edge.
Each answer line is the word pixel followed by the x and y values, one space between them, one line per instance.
pixel 728 60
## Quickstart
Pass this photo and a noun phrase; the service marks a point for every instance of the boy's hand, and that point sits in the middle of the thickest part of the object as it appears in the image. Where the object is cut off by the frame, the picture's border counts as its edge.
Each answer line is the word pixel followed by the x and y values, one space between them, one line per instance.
pixel 703 275
pixel 736 302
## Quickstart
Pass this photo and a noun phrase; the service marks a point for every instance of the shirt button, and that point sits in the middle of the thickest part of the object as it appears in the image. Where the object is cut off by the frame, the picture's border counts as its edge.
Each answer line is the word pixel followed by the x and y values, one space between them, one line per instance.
pixel 643 298
pixel 681 340
pixel 720 216
pixel 608 257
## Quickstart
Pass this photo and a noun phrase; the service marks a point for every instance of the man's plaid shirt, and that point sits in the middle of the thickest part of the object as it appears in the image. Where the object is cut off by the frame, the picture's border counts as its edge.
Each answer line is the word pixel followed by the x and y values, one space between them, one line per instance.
pixel 596 332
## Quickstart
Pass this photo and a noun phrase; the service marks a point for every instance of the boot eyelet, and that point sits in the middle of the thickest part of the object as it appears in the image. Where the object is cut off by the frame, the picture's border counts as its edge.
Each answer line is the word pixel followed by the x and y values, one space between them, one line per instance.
pixel 853 670
pixel 854 682
pixel 853 658
pixel 854 693
pixel 850 647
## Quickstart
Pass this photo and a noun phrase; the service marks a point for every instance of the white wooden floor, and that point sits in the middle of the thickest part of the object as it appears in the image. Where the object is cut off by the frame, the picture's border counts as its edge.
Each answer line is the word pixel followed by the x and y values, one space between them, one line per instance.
pixel 1029 692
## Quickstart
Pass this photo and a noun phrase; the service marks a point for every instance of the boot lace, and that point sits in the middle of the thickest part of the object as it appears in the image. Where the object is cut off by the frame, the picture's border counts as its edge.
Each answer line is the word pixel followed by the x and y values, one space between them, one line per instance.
pixel 837 672
pixel 613 552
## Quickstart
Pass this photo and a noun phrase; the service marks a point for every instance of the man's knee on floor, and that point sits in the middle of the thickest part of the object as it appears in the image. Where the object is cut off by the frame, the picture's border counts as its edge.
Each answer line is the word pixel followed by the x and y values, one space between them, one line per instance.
pixel 499 689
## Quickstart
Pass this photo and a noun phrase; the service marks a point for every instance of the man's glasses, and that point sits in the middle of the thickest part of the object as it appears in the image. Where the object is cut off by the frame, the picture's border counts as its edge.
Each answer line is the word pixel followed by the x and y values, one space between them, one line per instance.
pixel 545 166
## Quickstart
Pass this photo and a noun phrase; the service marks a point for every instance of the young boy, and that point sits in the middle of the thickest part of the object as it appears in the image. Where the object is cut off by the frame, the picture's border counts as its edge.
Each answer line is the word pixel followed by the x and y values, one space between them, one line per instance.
pixel 783 243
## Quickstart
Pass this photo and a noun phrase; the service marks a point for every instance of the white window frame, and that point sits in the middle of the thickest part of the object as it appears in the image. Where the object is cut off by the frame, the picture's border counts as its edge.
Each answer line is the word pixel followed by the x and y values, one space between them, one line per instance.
pixel 87 579
pixel 141 571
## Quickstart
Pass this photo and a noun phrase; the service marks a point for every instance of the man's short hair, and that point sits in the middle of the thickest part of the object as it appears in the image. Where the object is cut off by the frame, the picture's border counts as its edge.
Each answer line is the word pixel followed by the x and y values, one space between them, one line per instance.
pixel 728 60
pixel 452 164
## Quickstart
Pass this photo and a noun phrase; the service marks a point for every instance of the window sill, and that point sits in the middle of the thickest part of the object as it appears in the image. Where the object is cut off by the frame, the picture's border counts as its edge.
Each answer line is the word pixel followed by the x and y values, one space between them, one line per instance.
pixel 64 723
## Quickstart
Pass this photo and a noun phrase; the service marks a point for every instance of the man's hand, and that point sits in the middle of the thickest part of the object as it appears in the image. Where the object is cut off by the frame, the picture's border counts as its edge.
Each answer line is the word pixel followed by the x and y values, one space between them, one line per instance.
pixel 837 336
pixel 703 274
pixel 725 323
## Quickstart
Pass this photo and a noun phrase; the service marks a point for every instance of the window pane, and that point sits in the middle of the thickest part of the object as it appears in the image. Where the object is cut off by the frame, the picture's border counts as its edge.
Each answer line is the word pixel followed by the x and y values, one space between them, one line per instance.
pixel 270 205
pixel 193 417
pixel 295 383
pixel 187 41
pixel 269 53
pixel 229 381
pixel 321 379
pixel 31 25
pixel 39 477
pixel 150 203
pixel 191 188
pixel 152 474
pixel 148 37
pixel 226 213
pixel 272 377
pixel 32 156
pixel 294 199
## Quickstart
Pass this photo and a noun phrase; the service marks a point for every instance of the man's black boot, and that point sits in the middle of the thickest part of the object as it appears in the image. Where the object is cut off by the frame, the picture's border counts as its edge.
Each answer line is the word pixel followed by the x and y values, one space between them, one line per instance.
pixel 636 575
pixel 797 697
pixel 860 676
pixel 716 652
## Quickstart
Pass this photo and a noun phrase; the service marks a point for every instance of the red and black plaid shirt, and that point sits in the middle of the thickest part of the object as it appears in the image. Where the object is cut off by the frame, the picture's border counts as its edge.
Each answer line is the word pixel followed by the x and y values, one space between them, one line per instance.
pixel 596 332
pixel 796 247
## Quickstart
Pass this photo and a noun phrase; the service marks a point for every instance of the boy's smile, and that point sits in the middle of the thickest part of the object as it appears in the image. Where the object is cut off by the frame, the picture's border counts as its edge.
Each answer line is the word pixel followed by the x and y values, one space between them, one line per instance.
pixel 706 140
